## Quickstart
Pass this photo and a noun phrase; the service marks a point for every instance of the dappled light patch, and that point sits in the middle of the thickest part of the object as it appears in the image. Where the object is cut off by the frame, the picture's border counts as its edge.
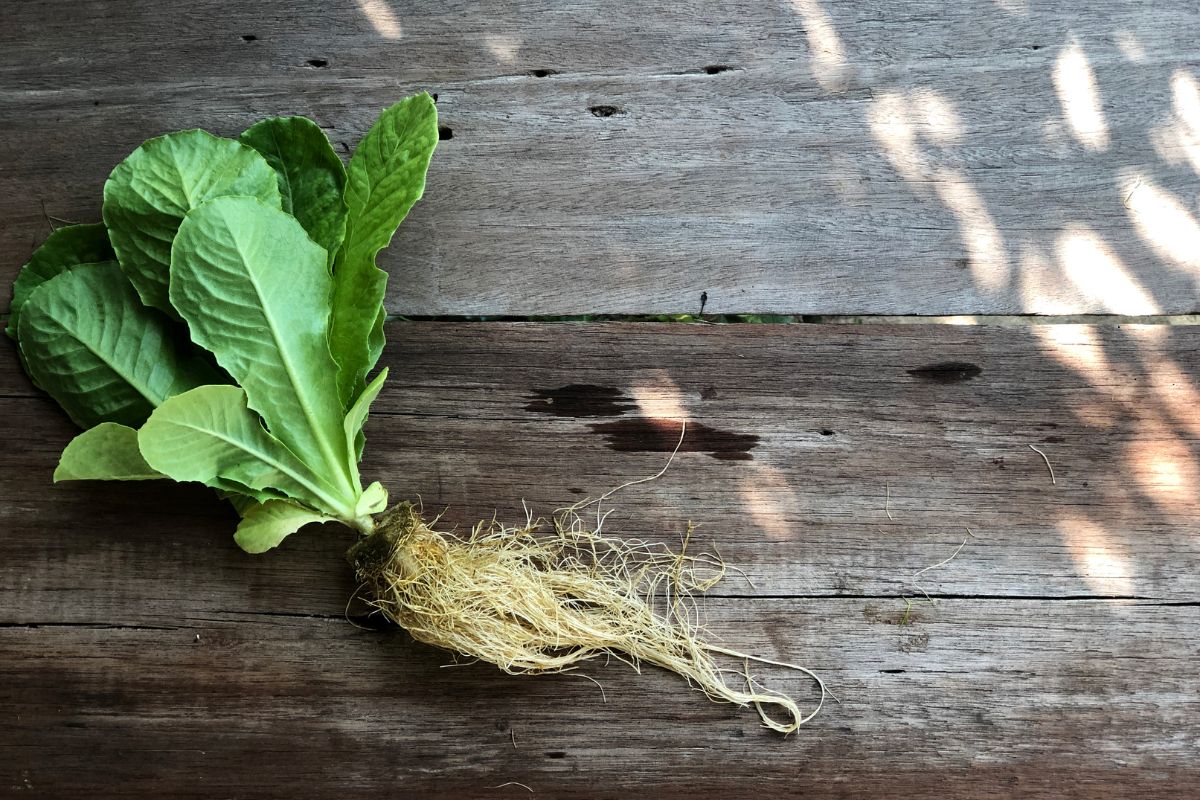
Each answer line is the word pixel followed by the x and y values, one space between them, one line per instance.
pixel 828 55
pixel 1014 7
pixel 989 261
pixel 1091 265
pixel 1165 223
pixel 1078 348
pixel 1101 562
pixel 658 397
pixel 503 48
pixel 1163 465
pixel 1173 386
pixel 894 131
pixel 1041 285
pixel 772 503
pixel 1079 96
pixel 942 122
pixel 382 18
pixel 897 120
pixel 1130 46
pixel 1185 102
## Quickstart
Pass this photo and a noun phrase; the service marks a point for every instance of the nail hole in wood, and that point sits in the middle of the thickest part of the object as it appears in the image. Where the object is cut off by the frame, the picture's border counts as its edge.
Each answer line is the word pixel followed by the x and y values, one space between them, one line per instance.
pixel 445 132
pixel 318 63
pixel 604 111
pixel 543 73
pixel 716 69
pixel 249 37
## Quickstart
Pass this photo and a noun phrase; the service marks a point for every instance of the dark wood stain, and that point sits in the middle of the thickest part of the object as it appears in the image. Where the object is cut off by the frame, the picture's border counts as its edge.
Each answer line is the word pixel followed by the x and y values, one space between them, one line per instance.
pixel 708 393
pixel 662 435
pixel 580 400
pixel 946 372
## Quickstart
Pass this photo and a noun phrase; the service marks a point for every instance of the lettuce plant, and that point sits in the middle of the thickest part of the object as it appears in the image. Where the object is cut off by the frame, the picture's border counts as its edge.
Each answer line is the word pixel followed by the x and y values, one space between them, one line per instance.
pixel 221 327
pixel 220 324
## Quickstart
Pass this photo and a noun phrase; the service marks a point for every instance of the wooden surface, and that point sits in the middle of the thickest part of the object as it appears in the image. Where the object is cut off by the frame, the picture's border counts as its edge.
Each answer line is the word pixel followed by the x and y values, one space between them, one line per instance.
pixel 141 652
pixel 815 157
pixel 812 156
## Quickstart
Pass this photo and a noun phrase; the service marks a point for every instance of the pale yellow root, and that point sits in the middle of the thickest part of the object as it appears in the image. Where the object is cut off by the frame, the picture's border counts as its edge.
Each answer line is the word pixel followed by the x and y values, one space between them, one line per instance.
pixel 532 601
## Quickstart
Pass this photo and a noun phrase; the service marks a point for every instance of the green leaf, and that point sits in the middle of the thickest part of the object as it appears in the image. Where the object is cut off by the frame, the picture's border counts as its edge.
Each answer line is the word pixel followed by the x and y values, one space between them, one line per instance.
pixel 90 344
pixel 14 325
pixel 372 501
pixel 385 178
pixel 265 526
pixel 356 417
pixel 243 497
pixel 209 435
pixel 63 249
pixel 241 502
pixel 150 192
pixel 311 176
pixel 107 452
pixel 255 291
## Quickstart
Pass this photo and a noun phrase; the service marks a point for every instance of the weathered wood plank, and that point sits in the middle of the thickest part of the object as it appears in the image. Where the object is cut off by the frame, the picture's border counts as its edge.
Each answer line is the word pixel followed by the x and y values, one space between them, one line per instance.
pixel 982 699
pixel 140 651
pixel 880 158
pixel 803 440
pixel 58 44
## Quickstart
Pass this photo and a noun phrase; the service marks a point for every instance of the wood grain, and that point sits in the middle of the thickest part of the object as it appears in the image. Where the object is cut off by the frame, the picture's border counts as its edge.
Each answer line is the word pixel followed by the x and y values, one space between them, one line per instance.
pixel 876 158
pixel 877 447
pixel 142 652
pixel 983 699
